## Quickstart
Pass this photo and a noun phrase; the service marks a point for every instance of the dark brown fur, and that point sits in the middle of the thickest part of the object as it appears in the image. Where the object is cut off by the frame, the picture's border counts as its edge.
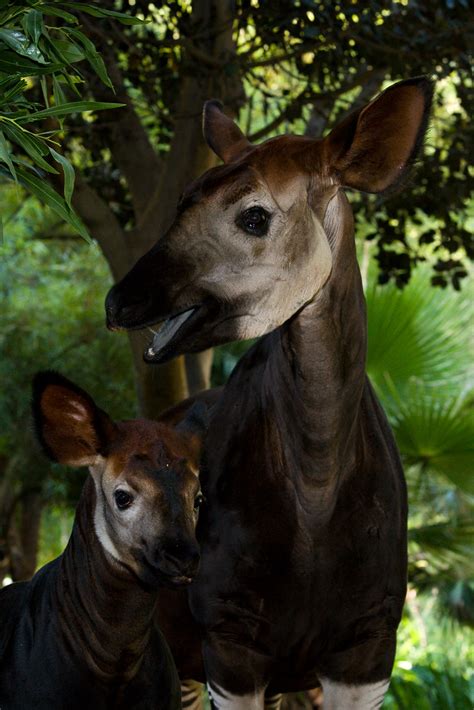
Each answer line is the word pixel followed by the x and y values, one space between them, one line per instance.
pixel 303 572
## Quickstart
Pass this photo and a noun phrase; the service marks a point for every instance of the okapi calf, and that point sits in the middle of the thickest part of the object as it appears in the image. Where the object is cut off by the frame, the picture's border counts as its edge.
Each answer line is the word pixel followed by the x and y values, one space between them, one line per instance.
pixel 303 571
pixel 81 634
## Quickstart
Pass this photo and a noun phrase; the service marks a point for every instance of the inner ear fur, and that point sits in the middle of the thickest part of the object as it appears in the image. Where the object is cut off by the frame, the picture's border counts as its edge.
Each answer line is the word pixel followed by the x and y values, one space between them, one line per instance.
pixel 70 427
pixel 373 149
pixel 220 132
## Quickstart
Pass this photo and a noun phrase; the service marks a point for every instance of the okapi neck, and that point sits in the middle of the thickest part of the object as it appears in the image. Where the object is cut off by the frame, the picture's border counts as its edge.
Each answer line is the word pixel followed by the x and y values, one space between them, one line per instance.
pixel 321 359
pixel 103 613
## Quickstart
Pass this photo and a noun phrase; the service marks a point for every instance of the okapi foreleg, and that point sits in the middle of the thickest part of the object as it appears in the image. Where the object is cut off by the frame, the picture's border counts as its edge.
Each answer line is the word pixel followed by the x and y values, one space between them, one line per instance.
pixel 192 695
pixel 368 696
pixel 222 700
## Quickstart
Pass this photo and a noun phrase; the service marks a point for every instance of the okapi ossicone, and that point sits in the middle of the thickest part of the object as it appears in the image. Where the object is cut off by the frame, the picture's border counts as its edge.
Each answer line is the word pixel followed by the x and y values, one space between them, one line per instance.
pixel 303 571
pixel 81 634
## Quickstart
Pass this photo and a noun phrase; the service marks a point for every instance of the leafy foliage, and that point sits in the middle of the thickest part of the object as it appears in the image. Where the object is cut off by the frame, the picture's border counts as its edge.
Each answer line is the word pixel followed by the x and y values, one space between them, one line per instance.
pixel 52 318
pixel 30 47
pixel 301 67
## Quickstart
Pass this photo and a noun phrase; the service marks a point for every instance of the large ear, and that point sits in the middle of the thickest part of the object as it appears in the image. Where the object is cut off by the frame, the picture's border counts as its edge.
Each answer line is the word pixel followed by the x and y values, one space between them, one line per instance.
pixel 195 425
pixel 221 134
pixel 70 427
pixel 374 147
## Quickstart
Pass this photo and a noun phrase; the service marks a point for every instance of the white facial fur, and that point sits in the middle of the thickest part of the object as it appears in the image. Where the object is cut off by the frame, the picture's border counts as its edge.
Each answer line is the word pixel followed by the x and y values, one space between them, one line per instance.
pixel 119 531
pixel 260 281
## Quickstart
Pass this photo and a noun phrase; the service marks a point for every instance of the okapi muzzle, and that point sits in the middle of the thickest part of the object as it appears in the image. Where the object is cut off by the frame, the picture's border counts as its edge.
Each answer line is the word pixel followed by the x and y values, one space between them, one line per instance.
pixel 154 282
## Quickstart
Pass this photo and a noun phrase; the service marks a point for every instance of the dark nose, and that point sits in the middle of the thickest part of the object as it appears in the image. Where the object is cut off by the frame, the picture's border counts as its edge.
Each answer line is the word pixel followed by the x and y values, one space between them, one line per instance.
pixel 124 308
pixel 180 557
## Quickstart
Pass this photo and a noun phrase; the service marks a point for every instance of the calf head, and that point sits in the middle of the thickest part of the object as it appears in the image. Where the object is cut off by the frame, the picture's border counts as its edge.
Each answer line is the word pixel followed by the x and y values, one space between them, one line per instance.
pixel 147 491
pixel 250 245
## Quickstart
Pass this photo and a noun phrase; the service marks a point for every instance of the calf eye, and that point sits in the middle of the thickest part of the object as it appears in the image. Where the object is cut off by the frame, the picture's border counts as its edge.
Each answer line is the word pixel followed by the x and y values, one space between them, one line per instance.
pixel 198 501
pixel 123 499
pixel 254 221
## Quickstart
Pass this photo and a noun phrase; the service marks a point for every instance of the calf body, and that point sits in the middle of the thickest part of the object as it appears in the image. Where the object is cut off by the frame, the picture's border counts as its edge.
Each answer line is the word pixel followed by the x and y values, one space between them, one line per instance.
pixel 81 633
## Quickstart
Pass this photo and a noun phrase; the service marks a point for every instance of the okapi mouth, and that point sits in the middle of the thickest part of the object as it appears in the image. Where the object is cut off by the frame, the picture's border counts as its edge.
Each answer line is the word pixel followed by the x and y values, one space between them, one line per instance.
pixel 173 580
pixel 174 329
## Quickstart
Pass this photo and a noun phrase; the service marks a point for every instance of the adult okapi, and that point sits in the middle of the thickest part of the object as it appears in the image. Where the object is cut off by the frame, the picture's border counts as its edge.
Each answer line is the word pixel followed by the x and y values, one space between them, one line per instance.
pixel 303 571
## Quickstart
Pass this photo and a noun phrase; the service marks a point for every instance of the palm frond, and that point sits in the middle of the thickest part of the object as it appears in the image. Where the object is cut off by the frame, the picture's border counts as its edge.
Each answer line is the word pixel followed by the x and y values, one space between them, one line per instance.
pixel 419 332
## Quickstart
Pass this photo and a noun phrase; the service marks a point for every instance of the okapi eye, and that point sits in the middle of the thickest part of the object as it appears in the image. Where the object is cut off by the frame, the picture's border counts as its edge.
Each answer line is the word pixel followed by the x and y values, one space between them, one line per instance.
pixel 254 221
pixel 123 499
pixel 198 501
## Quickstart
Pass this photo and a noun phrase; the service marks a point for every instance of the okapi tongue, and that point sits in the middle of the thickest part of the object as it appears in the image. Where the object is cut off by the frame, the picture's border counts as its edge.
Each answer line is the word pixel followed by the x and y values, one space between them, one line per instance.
pixel 167 331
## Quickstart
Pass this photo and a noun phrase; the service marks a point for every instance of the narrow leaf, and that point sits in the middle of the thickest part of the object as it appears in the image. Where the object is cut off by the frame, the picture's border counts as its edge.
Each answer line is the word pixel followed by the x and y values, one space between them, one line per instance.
pixel 5 155
pixel 58 93
pixel 33 24
pixel 101 12
pixel 50 197
pixel 17 41
pixel 12 64
pixel 68 51
pixel 71 107
pixel 93 57
pixel 31 144
pixel 69 175
pixel 17 87
pixel 58 12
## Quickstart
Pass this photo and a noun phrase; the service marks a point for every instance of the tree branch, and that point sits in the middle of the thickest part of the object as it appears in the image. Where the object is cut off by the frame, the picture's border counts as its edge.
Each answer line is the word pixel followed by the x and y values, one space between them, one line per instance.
pixel 104 227
pixel 125 136
pixel 306 95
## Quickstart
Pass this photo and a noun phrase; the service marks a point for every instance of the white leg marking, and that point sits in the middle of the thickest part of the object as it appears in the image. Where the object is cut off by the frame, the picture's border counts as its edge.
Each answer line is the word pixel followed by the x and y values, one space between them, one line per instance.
pixel 191 695
pixel 222 700
pixel 341 696
pixel 273 702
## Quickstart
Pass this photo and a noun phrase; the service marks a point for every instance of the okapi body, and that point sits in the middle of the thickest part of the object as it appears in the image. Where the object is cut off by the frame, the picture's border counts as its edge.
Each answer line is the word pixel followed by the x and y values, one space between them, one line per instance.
pixel 81 634
pixel 303 572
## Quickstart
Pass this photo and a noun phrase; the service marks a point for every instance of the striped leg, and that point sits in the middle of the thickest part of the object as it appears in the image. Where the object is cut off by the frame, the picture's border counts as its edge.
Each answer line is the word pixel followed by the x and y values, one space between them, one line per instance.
pixel 191 695
pixel 222 700
pixel 273 702
pixel 341 696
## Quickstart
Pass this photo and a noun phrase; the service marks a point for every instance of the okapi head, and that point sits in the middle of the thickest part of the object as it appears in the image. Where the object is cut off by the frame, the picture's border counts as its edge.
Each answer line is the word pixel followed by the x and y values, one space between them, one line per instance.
pixel 147 491
pixel 250 245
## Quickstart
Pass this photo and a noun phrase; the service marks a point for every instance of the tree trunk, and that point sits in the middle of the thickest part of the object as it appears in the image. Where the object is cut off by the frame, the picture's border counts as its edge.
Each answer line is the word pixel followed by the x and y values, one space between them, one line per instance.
pixel 155 183
pixel 24 535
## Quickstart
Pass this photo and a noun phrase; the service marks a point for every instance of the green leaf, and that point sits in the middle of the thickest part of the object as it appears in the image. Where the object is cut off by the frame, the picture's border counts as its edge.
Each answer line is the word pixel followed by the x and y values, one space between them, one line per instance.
pixel 68 51
pixel 101 12
pixel 5 155
pixel 12 64
pixel 17 41
pixel 14 87
pixel 50 197
pixel 418 332
pixel 58 12
pixel 58 93
pixel 438 432
pixel 71 107
pixel 93 57
pixel 33 24
pixel 69 175
pixel 31 144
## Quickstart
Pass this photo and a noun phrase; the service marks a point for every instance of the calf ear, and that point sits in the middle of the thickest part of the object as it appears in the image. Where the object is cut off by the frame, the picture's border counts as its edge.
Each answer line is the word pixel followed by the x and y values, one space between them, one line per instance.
pixel 221 134
pixel 374 147
pixel 70 427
